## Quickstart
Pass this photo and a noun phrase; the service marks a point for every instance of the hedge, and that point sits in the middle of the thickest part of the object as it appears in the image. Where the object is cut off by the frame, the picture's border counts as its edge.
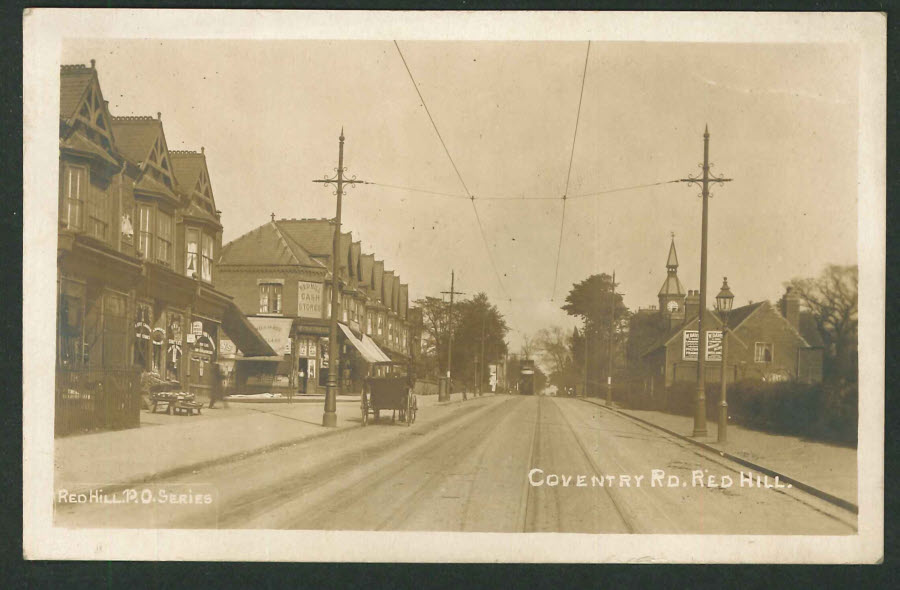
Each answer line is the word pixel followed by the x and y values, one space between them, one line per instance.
pixel 827 412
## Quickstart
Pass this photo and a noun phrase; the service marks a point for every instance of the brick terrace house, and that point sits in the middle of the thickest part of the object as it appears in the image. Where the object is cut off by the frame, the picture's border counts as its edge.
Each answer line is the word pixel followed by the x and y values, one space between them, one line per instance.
pixel 280 275
pixel 137 241
pixel 766 341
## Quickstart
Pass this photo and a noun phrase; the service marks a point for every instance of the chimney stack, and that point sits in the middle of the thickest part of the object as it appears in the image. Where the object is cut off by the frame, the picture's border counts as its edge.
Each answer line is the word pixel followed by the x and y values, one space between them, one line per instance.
pixel 790 307
pixel 691 304
pixel 93 64
pixel 159 116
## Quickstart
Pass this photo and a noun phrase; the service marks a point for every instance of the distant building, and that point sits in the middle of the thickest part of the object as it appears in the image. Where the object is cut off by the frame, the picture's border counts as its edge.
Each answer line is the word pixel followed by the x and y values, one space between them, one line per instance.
pixel 765 341
pixel 280 275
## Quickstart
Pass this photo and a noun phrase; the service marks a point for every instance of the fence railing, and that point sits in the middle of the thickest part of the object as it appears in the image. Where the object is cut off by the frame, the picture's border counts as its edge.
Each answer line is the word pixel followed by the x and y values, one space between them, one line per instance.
pixel 97 399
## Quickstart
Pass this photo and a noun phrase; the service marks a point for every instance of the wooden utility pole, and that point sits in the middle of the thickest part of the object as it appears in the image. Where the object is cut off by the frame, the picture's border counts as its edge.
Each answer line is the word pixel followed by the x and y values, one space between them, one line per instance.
pixel 452 292
pixel 329 418
pixel 612 336
pixel 703 181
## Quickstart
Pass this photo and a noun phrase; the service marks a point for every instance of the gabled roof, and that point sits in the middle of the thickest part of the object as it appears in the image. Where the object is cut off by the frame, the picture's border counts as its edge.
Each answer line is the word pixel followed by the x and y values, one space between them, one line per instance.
pixel 265 246
pixel 78 143
pixel 135 136
pixel 187 166
pixel 689 324
pixel 739 314
pixel 73 83
pixel 387 288
pixel 366 266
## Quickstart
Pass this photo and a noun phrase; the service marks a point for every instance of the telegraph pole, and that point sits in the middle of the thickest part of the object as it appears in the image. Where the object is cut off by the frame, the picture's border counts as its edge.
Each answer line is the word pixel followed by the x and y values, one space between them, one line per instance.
pixel 329 418
pixel 703 181
pixel 452 292
pixel 481 366
pixel 612 335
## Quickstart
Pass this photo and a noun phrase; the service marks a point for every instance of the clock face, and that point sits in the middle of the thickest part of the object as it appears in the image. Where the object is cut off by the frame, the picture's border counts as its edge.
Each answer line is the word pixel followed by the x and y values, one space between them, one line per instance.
pixel 672 306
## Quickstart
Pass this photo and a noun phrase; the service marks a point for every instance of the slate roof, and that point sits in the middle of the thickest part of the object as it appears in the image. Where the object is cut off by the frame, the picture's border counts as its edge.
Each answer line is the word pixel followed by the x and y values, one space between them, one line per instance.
pixel 265 246
pixel 187 167
pixel 671 286
pixel 739 314
pixel 135 136
pixel 73 82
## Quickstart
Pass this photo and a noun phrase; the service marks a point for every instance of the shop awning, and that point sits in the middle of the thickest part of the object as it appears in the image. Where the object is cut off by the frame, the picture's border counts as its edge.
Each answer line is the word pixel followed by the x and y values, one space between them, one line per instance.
pixel 275 330
pixel 274 359
pixel 370 344
pixel 369 353
pixel 244 335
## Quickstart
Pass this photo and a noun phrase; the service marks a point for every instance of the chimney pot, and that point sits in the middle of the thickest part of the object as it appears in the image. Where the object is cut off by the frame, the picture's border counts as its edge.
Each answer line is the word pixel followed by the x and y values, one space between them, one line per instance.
pixel 93 63
pixel 202 150
pixel 159 115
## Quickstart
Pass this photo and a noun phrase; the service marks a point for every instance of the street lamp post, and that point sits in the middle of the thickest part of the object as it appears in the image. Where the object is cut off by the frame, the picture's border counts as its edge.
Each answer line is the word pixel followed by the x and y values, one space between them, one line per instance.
pixel 703 181
pixel 329 418
pixel 724 302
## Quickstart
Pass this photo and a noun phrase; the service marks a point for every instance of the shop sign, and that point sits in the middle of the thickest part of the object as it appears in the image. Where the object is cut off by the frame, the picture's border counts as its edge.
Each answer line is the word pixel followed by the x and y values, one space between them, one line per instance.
pixel 301 347
pixel 158 336
pixel 191 338
pixel 309 300
pixel 205 344
pixel 311 348
pixel 227 348
pixel 197 328
pixel 323 346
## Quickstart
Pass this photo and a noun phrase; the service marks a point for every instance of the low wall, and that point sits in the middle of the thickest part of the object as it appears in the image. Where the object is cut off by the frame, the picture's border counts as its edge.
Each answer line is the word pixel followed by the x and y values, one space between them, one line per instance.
pixel 425 387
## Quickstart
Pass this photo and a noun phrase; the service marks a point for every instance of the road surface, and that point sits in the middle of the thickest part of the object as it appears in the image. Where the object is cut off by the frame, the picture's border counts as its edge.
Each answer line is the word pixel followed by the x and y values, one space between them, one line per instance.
pixel 492 464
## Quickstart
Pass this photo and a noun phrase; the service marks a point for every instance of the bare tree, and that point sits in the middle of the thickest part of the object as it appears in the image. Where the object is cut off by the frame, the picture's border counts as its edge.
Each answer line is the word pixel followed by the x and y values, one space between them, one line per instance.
pixel 527 348
pixel 832 299
pixel 553 344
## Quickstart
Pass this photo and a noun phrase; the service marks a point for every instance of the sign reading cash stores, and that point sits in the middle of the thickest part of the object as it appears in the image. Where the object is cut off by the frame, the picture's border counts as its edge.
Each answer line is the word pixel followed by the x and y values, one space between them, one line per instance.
pixel 309 301
pixel 689 345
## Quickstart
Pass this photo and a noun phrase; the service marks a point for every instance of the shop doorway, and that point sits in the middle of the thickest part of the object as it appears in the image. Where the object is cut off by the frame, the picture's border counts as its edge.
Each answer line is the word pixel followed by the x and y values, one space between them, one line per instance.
pixel 302 375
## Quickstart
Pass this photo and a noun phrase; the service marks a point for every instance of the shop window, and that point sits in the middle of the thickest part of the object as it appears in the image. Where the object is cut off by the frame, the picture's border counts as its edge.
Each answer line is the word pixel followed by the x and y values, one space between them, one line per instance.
pixel 163 238
pixel 115 328
pixel 74 185
pixel 763 352
pixel 192 252
pixel 143 319
pixel 145 234
pixel 70 330
pixel 270 297
pixel 173 352
pixel 207 258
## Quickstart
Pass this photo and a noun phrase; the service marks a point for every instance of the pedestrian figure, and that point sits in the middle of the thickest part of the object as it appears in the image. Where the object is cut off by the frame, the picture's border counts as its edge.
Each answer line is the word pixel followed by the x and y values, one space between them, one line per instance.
pixel 217 391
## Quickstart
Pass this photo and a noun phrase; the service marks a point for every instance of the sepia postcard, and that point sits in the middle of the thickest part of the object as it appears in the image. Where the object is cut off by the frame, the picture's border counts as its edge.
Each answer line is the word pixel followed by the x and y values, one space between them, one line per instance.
pixel 454 287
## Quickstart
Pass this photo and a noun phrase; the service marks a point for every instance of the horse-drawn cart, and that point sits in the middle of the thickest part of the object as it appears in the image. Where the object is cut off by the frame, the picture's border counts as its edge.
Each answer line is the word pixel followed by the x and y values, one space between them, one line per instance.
pixel 388 393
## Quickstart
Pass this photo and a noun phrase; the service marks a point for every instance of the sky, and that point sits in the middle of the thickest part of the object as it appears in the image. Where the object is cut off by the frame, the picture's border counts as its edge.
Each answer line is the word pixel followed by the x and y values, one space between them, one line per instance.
pixel 782 120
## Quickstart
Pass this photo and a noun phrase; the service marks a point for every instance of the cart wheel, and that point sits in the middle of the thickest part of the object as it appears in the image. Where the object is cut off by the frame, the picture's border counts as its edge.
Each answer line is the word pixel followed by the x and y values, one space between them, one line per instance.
pixel 364 406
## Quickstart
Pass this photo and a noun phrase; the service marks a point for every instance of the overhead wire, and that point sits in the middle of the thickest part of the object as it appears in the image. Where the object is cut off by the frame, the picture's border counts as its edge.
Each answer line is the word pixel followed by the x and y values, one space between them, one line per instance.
pixel 455 169
pixel 562 221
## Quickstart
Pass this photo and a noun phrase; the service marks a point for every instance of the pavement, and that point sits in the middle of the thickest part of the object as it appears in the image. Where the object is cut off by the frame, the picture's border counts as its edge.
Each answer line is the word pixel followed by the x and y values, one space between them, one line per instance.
pixel 828 467
pixel 168 445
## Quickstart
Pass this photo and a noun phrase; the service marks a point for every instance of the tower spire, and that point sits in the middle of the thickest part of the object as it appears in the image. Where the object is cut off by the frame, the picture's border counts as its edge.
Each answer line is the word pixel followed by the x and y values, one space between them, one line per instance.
pixel 672 262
